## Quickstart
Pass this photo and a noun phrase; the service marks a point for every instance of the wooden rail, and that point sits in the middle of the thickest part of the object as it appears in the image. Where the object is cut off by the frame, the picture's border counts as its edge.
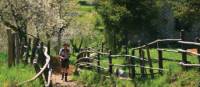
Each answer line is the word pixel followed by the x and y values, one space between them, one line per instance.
pixel 156 41
pixel 111 65
pixel 41 71
pixel 190 65
pixel 145 62
pixel 189 43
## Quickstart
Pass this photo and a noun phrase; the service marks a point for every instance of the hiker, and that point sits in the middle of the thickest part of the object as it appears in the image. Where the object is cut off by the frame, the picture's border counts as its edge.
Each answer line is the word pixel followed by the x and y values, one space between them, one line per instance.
pixel 64 55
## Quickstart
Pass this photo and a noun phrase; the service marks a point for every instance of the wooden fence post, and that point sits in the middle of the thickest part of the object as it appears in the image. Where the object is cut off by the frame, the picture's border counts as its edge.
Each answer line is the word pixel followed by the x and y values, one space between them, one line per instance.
pixel 198 49
pixel 34 48
pixel 13 49
pixel 85 52
pixel 88 53
pixel 24 57
pixel 160 61
pixel 184 54
pixel 127 59
pixel 49 47
pixel 17 41
pixel 142 65
pixel 10 48
pixel 22 49
pixel 37 69
pixel 126 52
pixel 46 74
pixel 50 67
pixel 27 50
pixel 102 46
pixel 129 67
pixel 48 43
pixel 110 63
pixel 98 63
pixel 150 62
pixel 41 57
pixel 133 63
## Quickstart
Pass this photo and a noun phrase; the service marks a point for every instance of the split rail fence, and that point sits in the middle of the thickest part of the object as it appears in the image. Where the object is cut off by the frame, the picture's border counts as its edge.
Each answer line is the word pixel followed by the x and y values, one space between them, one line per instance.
pixel 146 62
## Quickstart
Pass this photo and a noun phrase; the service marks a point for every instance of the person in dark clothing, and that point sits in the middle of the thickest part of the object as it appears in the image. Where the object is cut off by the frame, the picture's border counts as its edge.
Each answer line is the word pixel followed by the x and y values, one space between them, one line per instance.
pixel 64 55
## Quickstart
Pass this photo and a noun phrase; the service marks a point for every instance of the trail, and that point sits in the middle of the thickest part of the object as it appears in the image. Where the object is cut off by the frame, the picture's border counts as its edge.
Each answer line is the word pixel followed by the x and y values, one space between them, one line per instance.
pixel 57 82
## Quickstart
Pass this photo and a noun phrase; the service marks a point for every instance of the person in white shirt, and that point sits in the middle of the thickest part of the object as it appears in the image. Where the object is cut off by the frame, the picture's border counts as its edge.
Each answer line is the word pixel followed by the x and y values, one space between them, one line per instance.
pixel 64 56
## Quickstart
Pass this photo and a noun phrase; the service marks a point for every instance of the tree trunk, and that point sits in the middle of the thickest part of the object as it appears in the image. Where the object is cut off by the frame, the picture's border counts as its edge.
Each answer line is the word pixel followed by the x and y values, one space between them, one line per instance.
pixel 59 40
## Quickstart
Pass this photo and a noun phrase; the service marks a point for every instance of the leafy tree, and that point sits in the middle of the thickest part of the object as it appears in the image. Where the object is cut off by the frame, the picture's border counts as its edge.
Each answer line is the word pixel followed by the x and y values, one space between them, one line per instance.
pixel 37 17
pixel 123 18
pixel 187 13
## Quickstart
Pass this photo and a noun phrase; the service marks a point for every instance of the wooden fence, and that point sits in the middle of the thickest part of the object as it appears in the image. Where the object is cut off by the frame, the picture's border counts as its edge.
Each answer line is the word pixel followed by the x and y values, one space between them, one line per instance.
pixel 37 55
pixel 145 62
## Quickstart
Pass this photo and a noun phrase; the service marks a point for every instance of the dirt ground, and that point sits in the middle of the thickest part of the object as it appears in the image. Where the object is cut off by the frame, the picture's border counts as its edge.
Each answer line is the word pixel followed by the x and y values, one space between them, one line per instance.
pixel 57 82
pixel 56 77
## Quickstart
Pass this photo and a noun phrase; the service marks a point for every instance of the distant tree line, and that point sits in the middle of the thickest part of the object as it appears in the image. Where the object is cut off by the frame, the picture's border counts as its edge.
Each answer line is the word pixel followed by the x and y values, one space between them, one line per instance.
pixel 128 21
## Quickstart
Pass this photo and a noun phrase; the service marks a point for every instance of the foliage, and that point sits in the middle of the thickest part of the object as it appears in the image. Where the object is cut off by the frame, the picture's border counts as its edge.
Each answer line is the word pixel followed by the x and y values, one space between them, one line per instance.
pixel 175 79
pixel 142 18
pixel 186 13
pixel 38 18
pixel 85 30
pixel 124 18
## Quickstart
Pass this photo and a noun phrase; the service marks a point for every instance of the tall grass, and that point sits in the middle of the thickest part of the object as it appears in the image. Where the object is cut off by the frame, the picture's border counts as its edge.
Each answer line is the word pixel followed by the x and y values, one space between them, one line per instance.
pixel 175 77
pixel 179 79
pixel 11 76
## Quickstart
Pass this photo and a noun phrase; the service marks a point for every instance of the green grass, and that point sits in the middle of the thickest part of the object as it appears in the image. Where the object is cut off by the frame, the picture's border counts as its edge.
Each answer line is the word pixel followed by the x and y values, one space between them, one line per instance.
pixel 178 79
pixel 86 8
pixel 11 76
pixel 175 77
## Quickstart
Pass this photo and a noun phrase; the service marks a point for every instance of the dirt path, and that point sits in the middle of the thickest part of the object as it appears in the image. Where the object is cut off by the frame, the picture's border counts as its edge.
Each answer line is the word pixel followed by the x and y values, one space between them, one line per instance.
pixel 57 82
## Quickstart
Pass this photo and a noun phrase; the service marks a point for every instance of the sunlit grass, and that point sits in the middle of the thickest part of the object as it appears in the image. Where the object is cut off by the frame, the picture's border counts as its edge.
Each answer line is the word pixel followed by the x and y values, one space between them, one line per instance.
pixel 86 8
pixel 9 77
pixel 175 76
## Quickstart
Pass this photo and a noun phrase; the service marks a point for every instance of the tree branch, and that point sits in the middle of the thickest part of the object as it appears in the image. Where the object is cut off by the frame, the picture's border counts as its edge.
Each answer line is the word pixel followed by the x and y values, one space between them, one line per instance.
pixel 14 13
pixel 8 24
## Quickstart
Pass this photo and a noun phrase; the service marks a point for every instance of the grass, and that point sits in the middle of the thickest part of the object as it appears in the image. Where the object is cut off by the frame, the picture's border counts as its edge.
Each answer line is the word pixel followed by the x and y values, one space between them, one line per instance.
pixel 178 79
pixel 175 77
pixel 11 76
pixel 86 8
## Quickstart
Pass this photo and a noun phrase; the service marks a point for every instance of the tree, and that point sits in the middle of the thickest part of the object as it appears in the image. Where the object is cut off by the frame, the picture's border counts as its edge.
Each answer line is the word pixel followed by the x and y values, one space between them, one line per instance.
pixel 37 17
pixel 125 18
pixel 65 11
pixel 12 14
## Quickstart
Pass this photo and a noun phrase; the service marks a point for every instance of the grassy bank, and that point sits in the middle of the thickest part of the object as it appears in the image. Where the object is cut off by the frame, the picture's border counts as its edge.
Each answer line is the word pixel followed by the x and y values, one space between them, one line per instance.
pixel 178 79
pixel 13 75
pixel 175 77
